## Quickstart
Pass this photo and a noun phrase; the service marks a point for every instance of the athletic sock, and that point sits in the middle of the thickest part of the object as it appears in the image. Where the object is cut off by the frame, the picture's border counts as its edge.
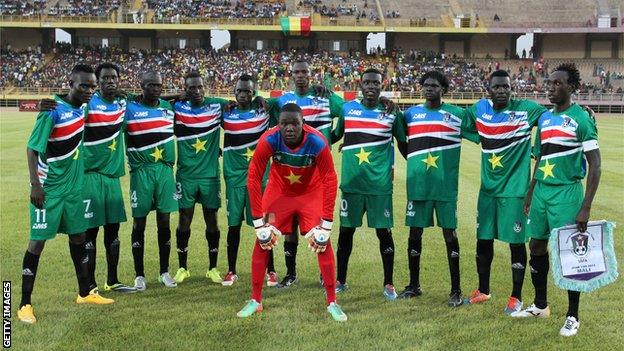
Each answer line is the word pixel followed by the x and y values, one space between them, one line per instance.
pixel 138 243
pixel 345 246
pixel 213 247
pixel 80 258
pixel 233 240
pixel 386 249
pixel 182 239
pixel 414 249
pixel 111 243
pixel 290 257
pixel 271 264
pixel 91 247
pixel 259 260
pixel 328 272
pixel 485 254
pixel 164 248
pixel 452 255
pixel 573 303
pixel 518 266
pixel 29 272
pixel 539 277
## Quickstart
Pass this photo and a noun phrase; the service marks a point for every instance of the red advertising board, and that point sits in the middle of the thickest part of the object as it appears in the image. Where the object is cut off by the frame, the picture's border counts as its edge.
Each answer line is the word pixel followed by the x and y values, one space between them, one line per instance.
pixel 28 106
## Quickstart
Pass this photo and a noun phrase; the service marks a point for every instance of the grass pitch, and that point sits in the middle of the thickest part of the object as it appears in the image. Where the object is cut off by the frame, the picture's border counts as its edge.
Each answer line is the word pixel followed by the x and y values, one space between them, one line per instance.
pixel 201 315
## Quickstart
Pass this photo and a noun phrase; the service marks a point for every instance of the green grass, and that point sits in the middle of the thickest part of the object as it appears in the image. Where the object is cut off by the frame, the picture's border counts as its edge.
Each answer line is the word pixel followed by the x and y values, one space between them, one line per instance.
pixel 199 315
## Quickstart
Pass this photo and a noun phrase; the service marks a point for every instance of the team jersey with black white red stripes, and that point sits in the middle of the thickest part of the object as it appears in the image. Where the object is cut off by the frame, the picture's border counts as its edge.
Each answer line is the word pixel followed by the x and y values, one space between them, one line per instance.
pixel 317 111
pixel 306 169
pixel 241 132
pixel 197 130
pixel 149 134
pixel 103 136
pixel 433 151
pixel 368 150
pixel 505 137
pixel 57 138
pixel 561 143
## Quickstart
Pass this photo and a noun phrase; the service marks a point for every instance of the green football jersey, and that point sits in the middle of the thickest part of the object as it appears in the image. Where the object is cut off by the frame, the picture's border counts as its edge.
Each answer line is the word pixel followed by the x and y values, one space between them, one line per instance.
pixel 561 141
pixel 57 138
pixel 433 151
pixel 149 134
pixel 242 130
pixel 505 137
pixel 317 111
pixel 368 150
pixel 103 136
pixel 197 129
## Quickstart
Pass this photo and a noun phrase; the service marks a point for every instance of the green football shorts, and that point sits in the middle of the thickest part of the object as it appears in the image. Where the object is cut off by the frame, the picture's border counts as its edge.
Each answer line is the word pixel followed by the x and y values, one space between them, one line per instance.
pixel 152 187
pixel 58 215
pixel 501 218
pixel 206 191
pixel 378 209
pixel 553 206
pixel 419 214
pixel 103 200
pixel 238 206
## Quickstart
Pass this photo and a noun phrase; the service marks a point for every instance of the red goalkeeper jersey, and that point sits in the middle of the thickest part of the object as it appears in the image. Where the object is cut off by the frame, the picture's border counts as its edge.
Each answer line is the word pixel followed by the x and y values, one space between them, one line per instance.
pixel 293 172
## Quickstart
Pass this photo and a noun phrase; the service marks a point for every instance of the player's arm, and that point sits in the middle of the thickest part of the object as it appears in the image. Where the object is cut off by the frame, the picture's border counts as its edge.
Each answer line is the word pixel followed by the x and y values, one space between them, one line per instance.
pixel 399 129
pixel 338 130
pixel 388 104
pixel 534 112
pixel 264 231
pixel 37 144
pixel 318 237
pixel 588 135
pixel 469 124
pixel 335 105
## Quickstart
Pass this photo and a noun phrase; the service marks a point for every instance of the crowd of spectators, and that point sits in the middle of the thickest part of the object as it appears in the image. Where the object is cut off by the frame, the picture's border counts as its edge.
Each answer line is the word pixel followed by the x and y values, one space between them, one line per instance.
pixel 402 69
pixel 342 9
pixel 165 10
pixel 101 8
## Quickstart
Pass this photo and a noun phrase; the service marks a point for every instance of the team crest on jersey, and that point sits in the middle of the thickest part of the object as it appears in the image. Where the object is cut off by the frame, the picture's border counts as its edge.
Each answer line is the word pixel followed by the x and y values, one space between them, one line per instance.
pixel 381 115
pixel 579 244
pixel 447 117
pixel 309 160
pixel 517 227
pixel 566 122
pixel 512 116
pixel 277 157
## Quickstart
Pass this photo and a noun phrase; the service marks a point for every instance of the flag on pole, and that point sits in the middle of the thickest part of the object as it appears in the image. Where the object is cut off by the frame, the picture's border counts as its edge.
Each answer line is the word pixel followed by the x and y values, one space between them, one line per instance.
pixel 296 26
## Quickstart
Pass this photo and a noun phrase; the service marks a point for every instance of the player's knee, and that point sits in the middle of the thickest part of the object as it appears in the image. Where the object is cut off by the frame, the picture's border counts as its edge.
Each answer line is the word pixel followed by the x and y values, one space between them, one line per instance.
pixel 415 234
pixel 450 235
pixel 210 218
pixel 538 247
pixel 138 224
pixel 35 247
pixel 292 238
pixel 383 232
pixel 162 221
pixel 77 239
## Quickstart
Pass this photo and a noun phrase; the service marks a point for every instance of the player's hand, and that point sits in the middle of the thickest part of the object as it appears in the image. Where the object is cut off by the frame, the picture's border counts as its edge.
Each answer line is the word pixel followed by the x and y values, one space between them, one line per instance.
pixel 582 217
pixel 230 106
pixel 526 207
pixel 260 101
pixel 266 234
pixel 322 91
pixel 318 237
pixel 37 195
pixel 388 104
pixel 46 104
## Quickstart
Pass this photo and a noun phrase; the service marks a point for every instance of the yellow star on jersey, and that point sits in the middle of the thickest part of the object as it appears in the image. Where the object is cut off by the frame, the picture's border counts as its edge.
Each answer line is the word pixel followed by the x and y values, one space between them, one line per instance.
pixel 430 161
pixel 547 168
pixel 113 145
pixel 249 154
pixel 363 156
pixel 77 154
pixel 496 161
pixel 199 145
pixel 157 154
pixel 293 178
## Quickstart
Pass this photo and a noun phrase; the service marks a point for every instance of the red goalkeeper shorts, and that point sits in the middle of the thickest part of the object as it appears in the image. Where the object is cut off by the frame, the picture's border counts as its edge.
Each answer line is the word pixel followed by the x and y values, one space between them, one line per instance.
pixel 280 210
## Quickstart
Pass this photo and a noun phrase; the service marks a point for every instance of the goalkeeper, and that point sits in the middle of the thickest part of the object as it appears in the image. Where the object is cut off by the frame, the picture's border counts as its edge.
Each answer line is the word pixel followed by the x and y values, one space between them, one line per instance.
pixel 302 183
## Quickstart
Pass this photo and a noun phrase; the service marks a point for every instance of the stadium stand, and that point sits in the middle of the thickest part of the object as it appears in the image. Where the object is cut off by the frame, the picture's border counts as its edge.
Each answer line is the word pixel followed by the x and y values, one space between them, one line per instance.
pixel 167 10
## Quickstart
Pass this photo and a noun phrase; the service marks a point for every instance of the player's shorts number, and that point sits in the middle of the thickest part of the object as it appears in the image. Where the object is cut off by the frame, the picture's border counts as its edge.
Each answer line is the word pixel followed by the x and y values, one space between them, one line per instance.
pixel 40 215
pixel 133 198
pixel 88 213
pixel 343 205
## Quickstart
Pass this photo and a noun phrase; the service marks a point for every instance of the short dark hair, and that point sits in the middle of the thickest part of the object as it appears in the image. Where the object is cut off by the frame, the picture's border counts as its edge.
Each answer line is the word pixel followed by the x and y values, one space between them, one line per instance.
pixel 437 75
pixel 82 68
pixel 246 78
pixel 192 74
pixel 301 60
pixel 372 70
pixel 143 75
pixel 292 107
pixel 574 76
pixel 500 73
pixel 105 65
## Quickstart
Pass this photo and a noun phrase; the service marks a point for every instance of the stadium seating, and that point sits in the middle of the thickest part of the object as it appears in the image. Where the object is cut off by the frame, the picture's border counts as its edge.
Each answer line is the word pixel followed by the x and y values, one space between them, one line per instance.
pixel 339 72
